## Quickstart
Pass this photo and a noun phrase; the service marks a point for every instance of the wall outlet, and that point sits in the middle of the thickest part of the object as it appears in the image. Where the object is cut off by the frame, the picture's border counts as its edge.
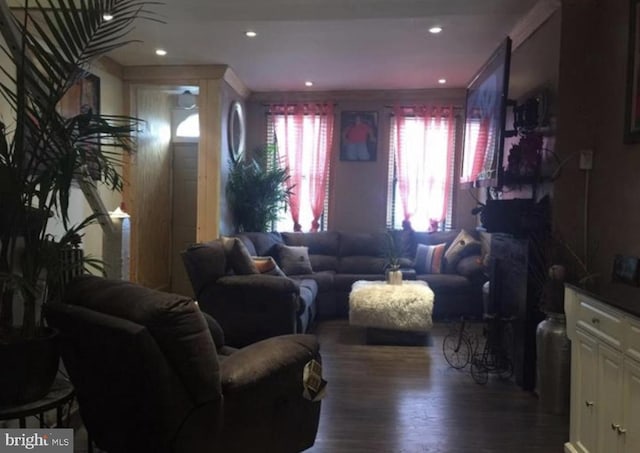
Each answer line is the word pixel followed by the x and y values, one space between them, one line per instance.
pixel 586 159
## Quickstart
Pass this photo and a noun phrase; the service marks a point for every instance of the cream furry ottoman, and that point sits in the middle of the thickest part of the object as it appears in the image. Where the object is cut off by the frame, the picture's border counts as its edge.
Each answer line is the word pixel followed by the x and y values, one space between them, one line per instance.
pixel 405 307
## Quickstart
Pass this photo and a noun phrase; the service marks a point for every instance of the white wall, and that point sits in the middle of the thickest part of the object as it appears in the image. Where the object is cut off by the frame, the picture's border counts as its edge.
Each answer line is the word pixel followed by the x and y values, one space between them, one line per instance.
pixel 111 100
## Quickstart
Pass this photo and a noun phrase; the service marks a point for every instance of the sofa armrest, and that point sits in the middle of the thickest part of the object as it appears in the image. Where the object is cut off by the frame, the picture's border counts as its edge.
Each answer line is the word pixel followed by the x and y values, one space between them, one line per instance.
pixel 260 282
pixel 252 307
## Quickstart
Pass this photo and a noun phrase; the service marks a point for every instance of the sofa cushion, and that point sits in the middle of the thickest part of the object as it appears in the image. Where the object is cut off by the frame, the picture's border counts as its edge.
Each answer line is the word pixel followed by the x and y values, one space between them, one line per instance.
pixel 463 245
pixel 362 265
pixel 294 260
pixel 308 293
pixel 446 283
pixel 324 280
pixel 323 262
pixel 245 241
pixel 240 259
pixel 263 243
pixel 319 243
pixel 362 244
pixel 470 266
pixel 429 258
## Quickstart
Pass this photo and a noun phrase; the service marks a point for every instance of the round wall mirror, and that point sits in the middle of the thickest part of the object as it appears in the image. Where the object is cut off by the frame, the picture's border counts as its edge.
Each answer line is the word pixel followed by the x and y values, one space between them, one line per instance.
pixel 236 130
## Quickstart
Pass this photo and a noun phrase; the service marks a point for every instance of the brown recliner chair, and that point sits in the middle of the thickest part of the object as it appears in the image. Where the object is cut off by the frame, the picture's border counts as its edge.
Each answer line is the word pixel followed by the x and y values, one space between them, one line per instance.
pixel 152 374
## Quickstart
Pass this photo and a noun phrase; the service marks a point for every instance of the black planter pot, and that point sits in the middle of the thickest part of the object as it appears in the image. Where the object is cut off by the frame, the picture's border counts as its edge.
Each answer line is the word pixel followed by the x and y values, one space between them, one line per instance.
pixel 29 367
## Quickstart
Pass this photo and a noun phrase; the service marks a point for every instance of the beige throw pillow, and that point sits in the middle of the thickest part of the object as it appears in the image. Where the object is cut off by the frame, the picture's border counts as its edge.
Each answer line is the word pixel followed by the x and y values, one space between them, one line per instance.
pixel 267 265
pixel 463 245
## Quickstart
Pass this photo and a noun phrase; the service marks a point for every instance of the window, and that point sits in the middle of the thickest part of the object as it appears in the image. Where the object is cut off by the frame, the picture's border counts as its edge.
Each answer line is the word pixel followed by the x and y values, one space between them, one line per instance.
pixel 185 126
pixel 189 127
pixel 303 134
pixel 421 166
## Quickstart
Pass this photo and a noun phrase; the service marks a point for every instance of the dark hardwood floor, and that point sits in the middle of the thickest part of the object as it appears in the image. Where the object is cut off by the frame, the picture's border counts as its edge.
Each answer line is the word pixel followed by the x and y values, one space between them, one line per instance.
pixel 406 399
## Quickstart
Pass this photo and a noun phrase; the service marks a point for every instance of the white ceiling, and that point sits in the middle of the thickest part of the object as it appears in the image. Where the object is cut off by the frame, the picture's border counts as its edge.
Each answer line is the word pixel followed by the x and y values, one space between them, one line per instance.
pixel 338 44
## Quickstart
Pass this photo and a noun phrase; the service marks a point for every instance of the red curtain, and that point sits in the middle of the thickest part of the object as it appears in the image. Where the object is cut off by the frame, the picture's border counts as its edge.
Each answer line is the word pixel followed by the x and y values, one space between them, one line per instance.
pixel 305 134
pixel 425 140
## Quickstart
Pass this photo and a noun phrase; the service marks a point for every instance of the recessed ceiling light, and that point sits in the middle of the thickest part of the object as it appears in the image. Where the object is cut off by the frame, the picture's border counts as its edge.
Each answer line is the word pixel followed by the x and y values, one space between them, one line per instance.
pixel 442 81
pixel 107 16
pixel 308 83
pixel 250 34
pixel 161 52
pixel 435 30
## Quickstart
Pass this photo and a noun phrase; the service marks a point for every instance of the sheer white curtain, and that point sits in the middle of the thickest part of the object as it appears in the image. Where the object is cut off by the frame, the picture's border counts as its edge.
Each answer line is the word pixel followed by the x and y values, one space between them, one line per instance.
pixel 422 141
pixel 304 134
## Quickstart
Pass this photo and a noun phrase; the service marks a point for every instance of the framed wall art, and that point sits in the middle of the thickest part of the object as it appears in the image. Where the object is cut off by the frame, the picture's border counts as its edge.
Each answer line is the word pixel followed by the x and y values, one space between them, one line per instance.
pixel 358 136
pixel 83 97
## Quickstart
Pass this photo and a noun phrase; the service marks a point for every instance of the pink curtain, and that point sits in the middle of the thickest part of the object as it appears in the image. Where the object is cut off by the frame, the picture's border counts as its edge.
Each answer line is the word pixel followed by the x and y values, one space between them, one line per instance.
pixel 425 140
pixel 480 152
pixel 320 159
pixel 305 136
pixel 290 151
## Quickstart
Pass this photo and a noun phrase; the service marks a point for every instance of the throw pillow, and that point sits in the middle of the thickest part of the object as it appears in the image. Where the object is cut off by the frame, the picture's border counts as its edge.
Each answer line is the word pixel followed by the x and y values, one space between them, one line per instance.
pixel 240 259
pixel 429 258
pixel 294 260
pixel 267 265
pixel 463 245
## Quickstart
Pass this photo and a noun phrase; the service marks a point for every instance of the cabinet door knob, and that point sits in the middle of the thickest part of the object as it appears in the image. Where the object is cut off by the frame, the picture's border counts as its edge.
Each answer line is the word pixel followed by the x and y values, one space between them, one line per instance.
pixel 588 403
pixel 621 430
pixel 595 321
pixel 615 427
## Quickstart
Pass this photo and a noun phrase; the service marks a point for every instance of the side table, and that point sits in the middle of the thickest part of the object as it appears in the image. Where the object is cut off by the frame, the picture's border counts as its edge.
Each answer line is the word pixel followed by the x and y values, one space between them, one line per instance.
pixel 61 393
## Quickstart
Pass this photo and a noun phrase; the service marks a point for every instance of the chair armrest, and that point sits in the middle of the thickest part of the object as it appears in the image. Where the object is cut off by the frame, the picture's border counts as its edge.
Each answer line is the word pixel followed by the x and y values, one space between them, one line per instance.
pixel 268 366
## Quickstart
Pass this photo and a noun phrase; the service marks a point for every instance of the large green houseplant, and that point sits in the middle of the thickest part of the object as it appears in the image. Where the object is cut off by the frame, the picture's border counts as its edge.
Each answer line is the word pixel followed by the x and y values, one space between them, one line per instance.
pixel 257 190
pixel 50 46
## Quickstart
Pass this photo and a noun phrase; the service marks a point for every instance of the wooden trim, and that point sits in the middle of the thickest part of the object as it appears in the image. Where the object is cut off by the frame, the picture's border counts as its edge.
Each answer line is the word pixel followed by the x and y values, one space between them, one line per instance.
pixel 238 85
pixel 110 66
pixel 443 95
pixel 534 19
pixel 129 184
pixel 178 75
pixel 209 158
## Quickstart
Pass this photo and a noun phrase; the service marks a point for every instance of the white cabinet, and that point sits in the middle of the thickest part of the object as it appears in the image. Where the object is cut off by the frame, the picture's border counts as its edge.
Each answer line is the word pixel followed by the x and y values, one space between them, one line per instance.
pixel 605 377
pixel 631 407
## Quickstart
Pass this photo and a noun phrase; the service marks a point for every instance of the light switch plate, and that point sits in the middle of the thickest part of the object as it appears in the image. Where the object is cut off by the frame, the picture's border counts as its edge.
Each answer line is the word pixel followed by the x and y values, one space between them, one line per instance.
pixel 586 159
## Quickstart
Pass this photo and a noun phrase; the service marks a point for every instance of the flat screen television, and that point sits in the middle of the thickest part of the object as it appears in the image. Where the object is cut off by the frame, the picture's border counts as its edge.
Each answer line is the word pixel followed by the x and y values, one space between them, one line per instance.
pixel 484 125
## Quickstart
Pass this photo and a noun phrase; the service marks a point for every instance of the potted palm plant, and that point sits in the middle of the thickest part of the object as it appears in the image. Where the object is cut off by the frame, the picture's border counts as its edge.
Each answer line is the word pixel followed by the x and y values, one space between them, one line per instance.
pixel 257 190
pixel 49 45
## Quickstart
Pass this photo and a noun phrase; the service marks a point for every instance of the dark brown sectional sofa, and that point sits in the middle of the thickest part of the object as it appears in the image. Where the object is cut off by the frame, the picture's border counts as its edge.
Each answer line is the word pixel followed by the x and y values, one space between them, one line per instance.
pixel 337 259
